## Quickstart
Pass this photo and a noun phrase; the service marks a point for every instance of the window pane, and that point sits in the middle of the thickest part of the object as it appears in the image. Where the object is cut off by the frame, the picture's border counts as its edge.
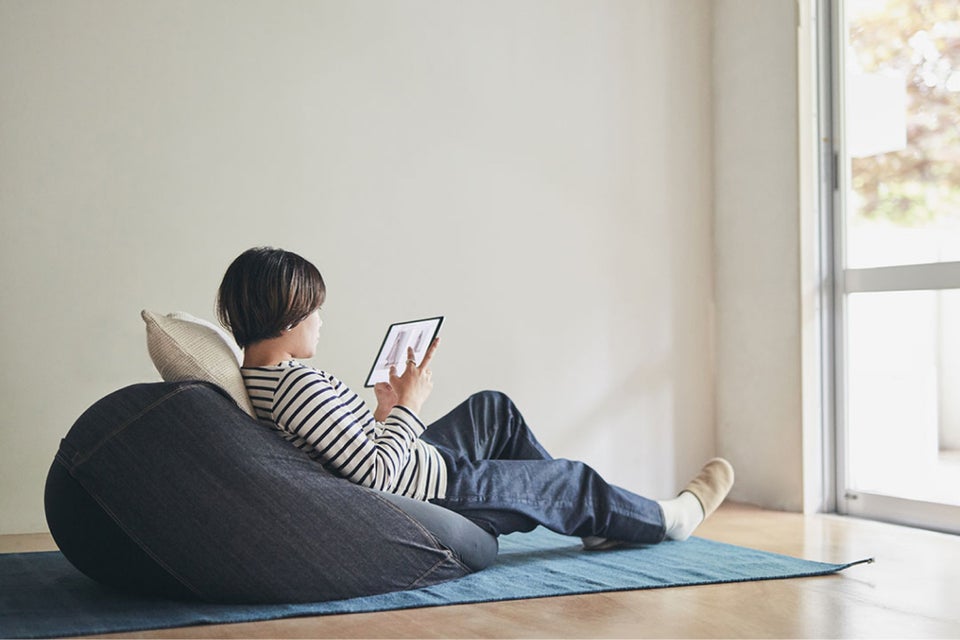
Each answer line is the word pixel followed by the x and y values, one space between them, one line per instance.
pixel 902 131
pixel 903 421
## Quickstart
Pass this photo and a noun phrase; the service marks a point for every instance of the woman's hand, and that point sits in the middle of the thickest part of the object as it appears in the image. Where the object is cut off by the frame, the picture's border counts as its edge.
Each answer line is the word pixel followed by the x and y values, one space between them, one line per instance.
pixel 414 386
pixel 387 399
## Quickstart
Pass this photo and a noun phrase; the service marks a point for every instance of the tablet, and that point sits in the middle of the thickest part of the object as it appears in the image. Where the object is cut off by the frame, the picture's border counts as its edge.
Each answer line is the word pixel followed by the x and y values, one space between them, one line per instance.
pixel 412 333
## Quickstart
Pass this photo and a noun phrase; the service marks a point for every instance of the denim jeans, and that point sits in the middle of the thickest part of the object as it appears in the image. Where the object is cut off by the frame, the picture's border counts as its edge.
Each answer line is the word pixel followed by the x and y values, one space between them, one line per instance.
pixel 224 507
pixel 503 479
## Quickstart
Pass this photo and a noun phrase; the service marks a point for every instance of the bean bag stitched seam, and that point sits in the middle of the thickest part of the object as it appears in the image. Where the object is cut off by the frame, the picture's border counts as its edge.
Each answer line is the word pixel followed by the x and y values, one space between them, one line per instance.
pixel 415 584
pixel 428 533
pixel 130 421
pixel 136 540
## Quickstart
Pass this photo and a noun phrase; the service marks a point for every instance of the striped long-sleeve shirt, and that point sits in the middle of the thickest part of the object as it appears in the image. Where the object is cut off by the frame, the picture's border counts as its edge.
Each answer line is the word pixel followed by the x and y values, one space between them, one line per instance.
pixel 321 415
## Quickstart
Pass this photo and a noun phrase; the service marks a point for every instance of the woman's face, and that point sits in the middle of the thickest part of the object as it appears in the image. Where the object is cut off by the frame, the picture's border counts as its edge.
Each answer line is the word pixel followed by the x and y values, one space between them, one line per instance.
pixel 305 335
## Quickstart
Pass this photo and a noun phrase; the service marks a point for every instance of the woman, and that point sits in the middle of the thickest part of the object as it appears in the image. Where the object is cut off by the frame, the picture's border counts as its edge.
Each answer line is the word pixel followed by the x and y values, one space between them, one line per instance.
pixel 480 460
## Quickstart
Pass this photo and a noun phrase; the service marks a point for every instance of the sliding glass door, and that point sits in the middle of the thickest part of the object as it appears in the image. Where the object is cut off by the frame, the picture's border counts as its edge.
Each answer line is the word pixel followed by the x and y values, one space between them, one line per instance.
pixel 896 235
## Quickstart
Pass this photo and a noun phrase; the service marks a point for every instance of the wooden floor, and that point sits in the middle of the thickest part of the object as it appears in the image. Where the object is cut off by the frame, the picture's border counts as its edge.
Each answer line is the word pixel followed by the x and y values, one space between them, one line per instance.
pixel 911 591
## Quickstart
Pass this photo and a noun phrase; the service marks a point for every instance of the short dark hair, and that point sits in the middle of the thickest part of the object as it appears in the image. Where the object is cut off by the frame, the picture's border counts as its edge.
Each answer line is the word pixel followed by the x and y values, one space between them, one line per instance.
pixel 265 291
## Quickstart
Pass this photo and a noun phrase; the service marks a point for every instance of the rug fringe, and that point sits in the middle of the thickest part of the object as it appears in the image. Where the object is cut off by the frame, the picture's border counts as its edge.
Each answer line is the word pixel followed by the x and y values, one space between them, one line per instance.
pixel 853 564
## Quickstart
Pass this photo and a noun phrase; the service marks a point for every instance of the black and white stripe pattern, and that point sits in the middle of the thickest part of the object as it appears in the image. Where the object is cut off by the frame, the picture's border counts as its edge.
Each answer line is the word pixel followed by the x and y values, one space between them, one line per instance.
pixel 321 415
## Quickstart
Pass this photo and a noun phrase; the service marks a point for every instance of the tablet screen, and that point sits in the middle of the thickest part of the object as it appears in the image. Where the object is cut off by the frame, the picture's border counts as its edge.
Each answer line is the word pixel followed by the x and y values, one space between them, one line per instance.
pixel 413 333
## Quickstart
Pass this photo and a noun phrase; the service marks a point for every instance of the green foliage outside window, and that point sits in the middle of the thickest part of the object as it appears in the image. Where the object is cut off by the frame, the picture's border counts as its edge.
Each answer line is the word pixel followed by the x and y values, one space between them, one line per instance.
pixel 920 40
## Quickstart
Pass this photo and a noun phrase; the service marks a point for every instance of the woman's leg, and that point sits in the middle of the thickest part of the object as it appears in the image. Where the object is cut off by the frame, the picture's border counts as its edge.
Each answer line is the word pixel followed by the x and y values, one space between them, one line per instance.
pixel 565 496
pixel 502 478
pixel 486 426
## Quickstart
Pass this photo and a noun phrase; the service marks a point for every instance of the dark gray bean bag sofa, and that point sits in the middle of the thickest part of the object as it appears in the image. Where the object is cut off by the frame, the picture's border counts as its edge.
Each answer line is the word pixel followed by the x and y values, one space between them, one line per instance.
pixel 169 488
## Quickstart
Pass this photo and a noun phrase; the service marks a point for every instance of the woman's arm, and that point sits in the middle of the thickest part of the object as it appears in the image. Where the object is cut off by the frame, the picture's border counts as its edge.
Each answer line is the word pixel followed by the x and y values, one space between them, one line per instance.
pixel 328 417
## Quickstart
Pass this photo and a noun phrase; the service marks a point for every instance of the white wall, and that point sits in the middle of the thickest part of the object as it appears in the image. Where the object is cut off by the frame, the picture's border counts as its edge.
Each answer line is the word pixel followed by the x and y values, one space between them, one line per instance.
pixel 539 171
pixel 766 306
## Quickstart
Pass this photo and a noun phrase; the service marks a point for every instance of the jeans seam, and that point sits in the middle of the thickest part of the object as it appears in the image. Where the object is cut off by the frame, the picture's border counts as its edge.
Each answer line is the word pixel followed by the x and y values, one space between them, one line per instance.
pixel 480 500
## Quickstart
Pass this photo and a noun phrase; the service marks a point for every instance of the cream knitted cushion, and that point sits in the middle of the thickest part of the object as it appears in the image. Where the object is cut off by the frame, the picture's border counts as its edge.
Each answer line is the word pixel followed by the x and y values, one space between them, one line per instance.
pixel 183 347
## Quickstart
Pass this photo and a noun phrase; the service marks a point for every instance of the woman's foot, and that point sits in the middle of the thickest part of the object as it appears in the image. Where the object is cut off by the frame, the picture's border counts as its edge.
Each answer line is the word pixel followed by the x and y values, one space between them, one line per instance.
pixel 698 500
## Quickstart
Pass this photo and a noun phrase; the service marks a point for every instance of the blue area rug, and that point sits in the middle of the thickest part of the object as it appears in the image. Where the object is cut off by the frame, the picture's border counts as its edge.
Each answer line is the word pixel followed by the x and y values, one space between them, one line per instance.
pixel 42 595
